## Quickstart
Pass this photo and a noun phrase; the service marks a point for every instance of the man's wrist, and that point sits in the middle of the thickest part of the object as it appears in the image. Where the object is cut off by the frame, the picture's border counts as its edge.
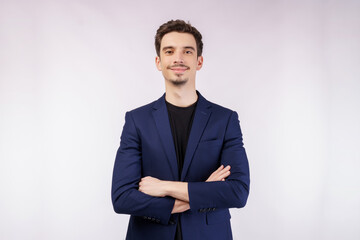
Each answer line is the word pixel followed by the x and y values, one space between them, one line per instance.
pixel 168 187
pixel 178 190
pixel 180 206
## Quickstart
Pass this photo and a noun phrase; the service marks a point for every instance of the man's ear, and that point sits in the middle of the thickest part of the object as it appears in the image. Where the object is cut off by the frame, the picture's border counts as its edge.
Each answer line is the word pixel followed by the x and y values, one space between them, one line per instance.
pixel 157 62
pixel 200 61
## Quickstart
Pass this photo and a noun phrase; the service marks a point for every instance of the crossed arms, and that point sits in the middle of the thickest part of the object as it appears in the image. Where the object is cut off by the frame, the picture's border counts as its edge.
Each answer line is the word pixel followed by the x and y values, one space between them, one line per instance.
pixel 178 190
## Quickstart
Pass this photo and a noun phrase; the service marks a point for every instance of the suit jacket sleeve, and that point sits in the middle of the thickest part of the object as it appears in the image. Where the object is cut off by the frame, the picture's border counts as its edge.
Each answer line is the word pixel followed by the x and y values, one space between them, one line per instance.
pixel 234 191
pixel 126 176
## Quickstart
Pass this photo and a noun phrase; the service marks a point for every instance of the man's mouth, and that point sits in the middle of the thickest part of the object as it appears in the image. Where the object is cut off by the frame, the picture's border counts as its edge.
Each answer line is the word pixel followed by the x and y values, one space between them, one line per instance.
pixel 179 69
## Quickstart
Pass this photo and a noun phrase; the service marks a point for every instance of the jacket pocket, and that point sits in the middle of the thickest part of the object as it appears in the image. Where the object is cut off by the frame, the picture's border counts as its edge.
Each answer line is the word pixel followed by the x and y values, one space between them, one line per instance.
pixel 217 216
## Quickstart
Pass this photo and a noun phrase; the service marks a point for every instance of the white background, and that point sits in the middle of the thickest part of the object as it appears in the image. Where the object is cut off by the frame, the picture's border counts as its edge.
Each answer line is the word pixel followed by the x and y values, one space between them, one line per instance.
pixel 69 70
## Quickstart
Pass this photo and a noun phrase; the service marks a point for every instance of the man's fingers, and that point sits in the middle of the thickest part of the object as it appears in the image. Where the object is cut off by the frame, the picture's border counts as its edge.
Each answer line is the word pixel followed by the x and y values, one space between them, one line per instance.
pixel 215 173
pixel 218 170
pixel 219 174
pixel 227 168
pixel 222 171
pixel 225 175
pixel 222 174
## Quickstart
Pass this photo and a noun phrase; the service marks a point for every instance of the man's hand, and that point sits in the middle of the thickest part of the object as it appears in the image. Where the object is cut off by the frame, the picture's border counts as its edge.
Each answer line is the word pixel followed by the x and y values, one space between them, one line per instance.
pixel 180 206
pixel 220 174
pixel 160 188
pixel 152 186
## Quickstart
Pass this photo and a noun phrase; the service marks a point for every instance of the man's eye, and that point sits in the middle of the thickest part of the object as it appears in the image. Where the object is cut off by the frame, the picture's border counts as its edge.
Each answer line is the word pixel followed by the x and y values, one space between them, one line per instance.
pixel 188 52
pixel 168 52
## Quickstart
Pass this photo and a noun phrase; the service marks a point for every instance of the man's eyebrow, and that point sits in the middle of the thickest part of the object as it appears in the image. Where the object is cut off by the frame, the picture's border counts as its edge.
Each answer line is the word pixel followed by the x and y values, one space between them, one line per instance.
pixel 171 47
pixel 167 47
pixel 190 47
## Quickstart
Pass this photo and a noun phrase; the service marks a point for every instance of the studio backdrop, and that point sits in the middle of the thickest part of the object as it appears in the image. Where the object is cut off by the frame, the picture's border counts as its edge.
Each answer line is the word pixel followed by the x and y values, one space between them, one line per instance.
pixel 69 70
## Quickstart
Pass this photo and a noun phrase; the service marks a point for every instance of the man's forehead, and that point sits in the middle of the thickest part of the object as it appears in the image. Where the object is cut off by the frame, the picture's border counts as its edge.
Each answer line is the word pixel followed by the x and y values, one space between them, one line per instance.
pixel 176 39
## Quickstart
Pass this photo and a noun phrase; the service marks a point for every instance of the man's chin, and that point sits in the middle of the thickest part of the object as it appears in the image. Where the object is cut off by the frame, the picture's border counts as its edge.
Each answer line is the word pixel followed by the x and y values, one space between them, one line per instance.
pixel 178 82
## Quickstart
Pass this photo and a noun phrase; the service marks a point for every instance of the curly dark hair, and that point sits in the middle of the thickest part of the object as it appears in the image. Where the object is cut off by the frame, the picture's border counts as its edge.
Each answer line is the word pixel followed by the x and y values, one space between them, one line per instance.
pixel 181 27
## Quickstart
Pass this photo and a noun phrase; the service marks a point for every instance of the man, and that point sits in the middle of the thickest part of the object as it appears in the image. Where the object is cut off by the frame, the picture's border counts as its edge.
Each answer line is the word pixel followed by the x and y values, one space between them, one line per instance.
pixel 172 169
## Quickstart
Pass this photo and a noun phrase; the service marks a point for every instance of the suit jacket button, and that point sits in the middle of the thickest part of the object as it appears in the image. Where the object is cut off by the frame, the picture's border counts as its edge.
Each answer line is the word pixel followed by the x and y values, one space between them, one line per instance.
pixel 171 222
pixel 157 220
pixel 213 209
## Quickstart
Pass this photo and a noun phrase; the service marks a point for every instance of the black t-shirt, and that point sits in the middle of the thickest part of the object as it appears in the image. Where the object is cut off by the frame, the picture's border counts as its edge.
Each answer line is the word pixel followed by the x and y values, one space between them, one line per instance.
pixel 181 119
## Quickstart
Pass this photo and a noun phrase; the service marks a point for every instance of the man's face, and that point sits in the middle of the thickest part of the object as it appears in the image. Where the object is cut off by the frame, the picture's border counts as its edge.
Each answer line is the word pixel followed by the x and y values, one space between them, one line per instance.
pixel 178 59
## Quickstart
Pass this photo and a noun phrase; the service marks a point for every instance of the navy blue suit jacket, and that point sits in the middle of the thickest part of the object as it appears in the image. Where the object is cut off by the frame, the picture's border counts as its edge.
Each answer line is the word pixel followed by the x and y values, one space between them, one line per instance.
pixel 147 149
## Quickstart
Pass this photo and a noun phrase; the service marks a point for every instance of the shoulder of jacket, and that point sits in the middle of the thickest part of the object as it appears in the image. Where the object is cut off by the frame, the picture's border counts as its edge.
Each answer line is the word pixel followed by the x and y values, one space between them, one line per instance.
pixel 220 109
pixel 142 109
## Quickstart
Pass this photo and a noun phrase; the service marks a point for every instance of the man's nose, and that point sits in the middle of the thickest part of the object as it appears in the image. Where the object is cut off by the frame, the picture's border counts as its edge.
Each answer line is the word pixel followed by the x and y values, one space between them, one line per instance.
pixel 179 57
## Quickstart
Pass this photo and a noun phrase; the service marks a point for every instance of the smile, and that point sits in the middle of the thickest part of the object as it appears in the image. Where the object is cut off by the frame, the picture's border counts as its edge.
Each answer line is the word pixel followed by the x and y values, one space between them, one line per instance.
pixel 179 69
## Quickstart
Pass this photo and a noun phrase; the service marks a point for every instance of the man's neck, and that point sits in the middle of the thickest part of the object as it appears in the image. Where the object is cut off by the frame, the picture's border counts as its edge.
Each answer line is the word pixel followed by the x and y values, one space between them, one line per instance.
pixel 181 97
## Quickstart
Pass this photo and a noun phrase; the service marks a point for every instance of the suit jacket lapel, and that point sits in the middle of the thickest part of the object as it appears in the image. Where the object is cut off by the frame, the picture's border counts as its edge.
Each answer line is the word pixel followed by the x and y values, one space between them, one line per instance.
pixel 201 117
pixel 162 123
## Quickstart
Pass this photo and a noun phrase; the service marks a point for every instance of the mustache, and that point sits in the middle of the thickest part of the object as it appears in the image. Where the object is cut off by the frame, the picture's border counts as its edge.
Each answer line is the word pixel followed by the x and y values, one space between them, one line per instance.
pixel 178 65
